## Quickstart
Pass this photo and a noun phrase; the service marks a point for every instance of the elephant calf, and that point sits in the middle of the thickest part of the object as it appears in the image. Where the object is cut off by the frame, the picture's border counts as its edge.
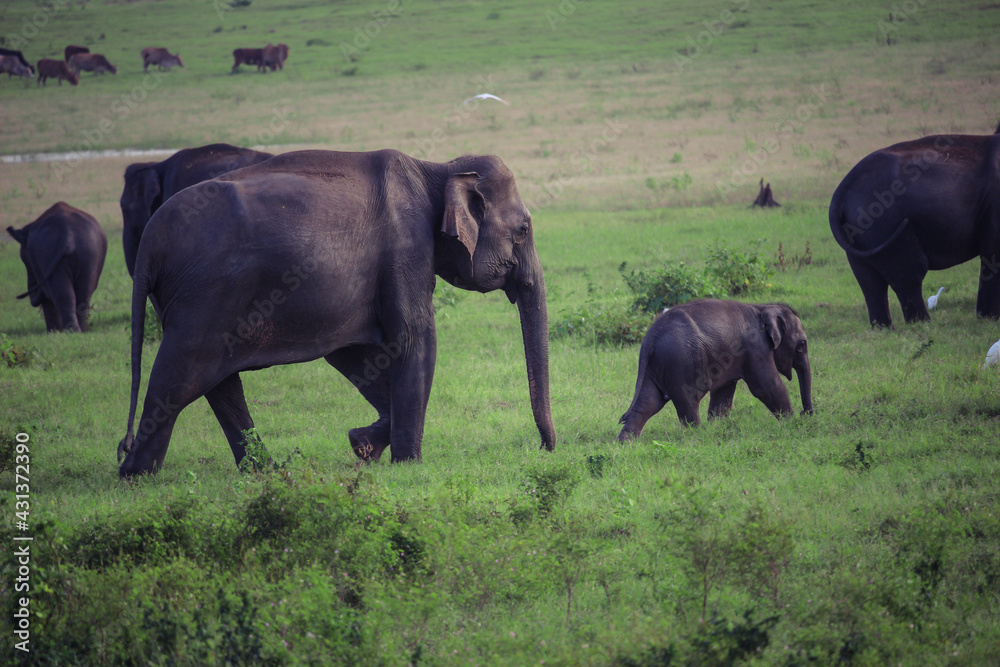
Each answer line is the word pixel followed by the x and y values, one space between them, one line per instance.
pixel 708 346
pixel 64 251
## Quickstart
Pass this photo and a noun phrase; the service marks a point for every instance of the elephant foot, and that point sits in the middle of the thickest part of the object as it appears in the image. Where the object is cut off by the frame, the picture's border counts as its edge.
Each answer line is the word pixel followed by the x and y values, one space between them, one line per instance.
pixel 369 442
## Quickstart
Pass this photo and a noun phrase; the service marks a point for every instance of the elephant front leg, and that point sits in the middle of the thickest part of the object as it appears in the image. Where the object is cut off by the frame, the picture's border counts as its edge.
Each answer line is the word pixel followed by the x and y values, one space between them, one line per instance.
pixel 768 388
pixel 409 391
pixel 360 365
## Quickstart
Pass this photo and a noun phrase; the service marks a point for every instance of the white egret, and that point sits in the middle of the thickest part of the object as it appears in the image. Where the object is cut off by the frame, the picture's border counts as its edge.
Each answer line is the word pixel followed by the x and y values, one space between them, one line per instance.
pixel 485 96
pixel 933 299
pixel 993 356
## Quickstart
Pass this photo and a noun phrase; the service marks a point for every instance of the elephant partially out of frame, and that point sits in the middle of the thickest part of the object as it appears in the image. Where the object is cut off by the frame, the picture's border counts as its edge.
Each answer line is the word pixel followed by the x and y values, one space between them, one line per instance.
pixel 320 254
pixel 920 206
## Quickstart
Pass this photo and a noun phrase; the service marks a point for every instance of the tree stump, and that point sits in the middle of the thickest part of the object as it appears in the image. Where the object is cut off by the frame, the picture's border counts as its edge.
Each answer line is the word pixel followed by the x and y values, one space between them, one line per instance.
pixel 765 198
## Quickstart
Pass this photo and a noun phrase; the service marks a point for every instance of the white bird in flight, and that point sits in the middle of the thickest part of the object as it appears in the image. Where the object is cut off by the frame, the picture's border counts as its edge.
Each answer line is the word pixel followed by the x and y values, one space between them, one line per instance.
pixel 933 298
pixel 993 356
pixel 485 96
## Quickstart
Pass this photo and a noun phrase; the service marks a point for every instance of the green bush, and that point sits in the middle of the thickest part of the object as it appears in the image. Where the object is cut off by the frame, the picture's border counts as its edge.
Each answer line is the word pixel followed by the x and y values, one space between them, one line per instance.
pixel 739 271
pixel 655 290
pixel 604 323
pixel 729 271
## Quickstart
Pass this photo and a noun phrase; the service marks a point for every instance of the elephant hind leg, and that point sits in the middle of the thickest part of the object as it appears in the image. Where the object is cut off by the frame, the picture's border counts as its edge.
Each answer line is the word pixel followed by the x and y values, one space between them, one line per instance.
pixel 911 299
pixel 988 300
pixel 51 315
pixel 178 378
pixel 722 400
pixel 61 292
pixel 876 292
pixel 647 402
pixel 229 404
pixel 82 294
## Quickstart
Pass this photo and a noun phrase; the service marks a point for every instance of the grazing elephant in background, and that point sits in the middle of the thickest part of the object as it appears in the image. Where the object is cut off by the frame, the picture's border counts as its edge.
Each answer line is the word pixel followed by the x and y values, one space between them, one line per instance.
pixel 321 254
pixel 921 206
pixel 64 251
pixel 708 346
pixel 149 184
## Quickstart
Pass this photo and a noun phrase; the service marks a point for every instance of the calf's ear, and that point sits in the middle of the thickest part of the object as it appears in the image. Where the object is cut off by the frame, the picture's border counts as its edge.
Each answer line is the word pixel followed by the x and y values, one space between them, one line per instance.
pixel 773 323
pixel 461 198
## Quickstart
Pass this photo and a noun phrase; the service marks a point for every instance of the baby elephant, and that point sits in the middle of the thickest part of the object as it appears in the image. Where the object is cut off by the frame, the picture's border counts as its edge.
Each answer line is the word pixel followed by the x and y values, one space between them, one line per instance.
pixel 710 345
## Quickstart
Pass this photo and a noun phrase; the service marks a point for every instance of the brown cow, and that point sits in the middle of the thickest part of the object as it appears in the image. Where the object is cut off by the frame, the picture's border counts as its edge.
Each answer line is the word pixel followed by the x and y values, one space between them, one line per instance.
pixel 161 57
pixel 72 50
pixel 19 57
pixel 55 69
pixel 273 57
pixel 247 56
pixel 12 66
pixel 91 62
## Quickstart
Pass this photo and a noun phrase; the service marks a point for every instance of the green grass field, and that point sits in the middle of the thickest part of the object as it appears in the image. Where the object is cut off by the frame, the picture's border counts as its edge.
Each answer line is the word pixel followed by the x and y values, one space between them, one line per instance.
pixel 867 533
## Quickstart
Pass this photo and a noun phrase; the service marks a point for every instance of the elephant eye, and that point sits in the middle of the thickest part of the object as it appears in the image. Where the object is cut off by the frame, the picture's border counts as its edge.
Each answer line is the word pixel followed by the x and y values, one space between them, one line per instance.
pixel 522 231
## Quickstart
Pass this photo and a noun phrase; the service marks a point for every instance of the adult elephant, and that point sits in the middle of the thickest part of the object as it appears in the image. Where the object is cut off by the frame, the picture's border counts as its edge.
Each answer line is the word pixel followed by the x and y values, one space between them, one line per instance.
pixel 63 251
pixel 149 184
pixel 319 254
pixel 921 206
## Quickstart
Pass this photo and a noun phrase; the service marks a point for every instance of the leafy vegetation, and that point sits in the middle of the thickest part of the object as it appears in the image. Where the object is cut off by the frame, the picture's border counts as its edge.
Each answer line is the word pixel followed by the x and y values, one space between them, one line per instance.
pixel 13 354
pixel 729 272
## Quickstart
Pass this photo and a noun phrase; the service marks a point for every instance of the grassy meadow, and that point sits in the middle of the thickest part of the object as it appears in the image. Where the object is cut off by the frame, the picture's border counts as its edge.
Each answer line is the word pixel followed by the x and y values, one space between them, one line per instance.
pixel 867 533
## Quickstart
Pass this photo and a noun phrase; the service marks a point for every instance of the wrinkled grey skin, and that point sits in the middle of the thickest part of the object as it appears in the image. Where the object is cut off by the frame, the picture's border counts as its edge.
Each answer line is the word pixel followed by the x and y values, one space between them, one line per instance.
pixel 920 206
pixel 709 345
pixel 63 251
pixel 321 254
pixel 149 184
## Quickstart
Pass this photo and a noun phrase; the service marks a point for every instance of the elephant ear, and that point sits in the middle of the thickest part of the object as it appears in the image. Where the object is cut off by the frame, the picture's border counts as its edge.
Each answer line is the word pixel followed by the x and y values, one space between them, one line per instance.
pixel 19 235
pixel 773 323
pixel 152 193
pixel 460 198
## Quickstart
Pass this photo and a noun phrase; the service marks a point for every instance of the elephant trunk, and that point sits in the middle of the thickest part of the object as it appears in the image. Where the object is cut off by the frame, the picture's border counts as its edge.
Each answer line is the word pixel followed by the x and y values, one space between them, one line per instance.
pixel 530 299
pixel 805 384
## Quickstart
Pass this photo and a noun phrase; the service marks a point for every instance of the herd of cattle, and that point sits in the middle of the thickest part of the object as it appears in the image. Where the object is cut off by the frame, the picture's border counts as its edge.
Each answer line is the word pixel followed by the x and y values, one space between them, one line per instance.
pixel 78 59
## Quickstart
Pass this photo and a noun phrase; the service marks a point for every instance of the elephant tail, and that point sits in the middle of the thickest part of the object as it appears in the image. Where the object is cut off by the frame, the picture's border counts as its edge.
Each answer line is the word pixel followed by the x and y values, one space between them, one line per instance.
pixel 845 232
pixel 140 291
pixel 645 352
pixel 49 272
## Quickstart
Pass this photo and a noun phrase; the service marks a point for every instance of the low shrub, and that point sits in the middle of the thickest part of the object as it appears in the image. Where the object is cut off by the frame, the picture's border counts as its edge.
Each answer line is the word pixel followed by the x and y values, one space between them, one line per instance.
pixel 654 290
pixel 604 323
pixel 739 271
pixel 729 271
